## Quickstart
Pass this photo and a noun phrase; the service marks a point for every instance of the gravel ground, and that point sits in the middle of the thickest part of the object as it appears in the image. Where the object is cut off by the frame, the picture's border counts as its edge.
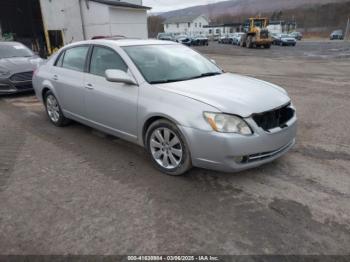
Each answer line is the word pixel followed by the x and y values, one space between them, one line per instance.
pixel 75 190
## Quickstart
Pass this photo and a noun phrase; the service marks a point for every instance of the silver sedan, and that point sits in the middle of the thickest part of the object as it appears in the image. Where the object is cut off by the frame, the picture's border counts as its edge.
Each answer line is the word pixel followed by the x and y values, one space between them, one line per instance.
pixel 171 100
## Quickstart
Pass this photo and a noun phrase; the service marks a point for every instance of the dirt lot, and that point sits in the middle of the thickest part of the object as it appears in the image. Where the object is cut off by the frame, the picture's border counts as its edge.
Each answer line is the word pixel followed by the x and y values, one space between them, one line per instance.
pixel 77 191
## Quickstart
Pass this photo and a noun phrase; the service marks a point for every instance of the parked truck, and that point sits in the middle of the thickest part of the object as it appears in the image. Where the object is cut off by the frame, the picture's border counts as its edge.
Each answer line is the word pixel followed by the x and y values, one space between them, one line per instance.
pixel 256 33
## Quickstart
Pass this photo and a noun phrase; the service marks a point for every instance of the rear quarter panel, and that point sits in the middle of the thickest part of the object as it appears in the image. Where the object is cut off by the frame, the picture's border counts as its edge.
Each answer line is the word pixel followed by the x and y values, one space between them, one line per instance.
pixel 42 78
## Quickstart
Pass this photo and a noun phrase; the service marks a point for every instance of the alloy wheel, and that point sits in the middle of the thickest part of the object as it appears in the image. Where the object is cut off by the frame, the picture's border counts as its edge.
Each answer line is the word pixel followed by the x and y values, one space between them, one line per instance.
pixel 53 109
pixel 166 148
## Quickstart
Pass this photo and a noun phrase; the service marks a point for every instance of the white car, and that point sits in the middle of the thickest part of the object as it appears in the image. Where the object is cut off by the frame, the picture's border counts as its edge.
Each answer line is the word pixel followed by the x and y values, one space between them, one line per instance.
pixel 237 38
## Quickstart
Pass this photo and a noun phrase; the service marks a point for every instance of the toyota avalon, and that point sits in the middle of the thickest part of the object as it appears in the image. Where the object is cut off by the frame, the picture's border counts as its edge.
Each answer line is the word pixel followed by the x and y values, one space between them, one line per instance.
pixel 173 101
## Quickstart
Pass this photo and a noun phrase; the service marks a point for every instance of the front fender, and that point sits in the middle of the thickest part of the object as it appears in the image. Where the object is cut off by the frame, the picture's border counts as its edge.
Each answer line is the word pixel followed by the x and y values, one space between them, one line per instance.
pixel 179 109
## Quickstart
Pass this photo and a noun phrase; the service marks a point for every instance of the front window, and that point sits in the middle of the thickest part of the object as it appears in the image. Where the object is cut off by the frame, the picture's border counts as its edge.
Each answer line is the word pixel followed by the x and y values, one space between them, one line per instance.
pixel 259 23
pixel 8 50
pixel 170 63
pixel 103 59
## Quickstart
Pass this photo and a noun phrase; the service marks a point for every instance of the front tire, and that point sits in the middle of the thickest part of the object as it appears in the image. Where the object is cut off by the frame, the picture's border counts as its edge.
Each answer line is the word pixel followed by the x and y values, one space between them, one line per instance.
pixel 167 148
pixel 54 111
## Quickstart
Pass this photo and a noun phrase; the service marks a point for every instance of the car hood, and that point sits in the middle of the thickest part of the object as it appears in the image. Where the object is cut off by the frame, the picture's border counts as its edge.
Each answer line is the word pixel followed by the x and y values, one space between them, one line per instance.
pixel 231 93
pixel 20 64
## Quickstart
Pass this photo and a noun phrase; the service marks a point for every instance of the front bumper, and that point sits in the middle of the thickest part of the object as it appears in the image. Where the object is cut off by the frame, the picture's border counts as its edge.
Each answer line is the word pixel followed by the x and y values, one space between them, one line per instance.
pixel 288 43
pixel 9 87
pixel 233 152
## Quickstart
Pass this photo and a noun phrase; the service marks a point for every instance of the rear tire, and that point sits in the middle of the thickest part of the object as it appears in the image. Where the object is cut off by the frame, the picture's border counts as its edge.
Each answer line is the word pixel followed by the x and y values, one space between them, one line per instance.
pixel 54 111
pixel 167 148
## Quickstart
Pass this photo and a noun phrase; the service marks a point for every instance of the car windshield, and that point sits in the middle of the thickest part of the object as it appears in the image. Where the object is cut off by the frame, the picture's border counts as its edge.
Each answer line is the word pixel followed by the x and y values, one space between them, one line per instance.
pixel 14 50
pixel 284 36
pixel 170 63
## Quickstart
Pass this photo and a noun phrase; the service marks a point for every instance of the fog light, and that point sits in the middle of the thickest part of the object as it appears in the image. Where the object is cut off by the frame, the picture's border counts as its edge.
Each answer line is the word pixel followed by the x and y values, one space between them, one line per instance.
pixel 239 159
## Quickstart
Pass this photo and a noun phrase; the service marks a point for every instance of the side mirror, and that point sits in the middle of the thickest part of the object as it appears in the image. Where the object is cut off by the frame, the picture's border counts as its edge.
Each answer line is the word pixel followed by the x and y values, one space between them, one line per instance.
pixel 119 76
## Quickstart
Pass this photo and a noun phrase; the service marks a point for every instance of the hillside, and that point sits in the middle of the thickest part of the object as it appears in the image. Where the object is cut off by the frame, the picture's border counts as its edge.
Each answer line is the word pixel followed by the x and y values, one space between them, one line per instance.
pixel 237 7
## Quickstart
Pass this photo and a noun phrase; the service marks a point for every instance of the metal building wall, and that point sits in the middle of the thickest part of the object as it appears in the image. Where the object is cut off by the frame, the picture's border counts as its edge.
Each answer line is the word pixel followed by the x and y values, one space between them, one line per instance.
pixel 98 19
pixel 63 15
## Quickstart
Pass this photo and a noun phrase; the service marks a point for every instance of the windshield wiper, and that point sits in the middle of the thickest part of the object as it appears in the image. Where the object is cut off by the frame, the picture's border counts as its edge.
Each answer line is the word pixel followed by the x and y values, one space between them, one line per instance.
pixel 210 74
pixel 185 79
pixel 166 81
pixel 206 75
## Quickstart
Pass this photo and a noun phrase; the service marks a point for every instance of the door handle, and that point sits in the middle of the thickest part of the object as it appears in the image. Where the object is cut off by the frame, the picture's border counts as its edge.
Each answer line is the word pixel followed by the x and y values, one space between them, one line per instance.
pixel 89 86
pixel 55 77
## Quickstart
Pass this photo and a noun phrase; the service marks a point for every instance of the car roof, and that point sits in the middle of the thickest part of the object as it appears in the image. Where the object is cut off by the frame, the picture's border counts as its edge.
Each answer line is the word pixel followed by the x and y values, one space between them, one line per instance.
pixel 125 42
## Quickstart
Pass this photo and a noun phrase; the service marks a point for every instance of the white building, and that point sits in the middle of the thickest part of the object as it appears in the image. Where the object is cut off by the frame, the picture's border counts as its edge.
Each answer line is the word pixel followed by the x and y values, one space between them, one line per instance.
pixel 278 27
pixel 54 23
pixel 188 25
pixel 86 19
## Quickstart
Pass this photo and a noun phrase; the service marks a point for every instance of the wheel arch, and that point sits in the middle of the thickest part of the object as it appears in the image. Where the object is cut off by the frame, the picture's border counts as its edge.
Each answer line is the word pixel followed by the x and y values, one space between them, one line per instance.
pixel 44 91
pixel 150 120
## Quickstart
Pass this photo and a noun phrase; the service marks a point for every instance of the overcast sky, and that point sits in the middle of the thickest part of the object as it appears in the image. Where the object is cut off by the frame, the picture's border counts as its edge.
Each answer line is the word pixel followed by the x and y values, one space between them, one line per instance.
pixel 167 5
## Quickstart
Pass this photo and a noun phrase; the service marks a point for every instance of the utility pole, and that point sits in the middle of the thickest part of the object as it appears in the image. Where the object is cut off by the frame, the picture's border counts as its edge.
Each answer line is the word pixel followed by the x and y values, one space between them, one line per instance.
pixel 347 30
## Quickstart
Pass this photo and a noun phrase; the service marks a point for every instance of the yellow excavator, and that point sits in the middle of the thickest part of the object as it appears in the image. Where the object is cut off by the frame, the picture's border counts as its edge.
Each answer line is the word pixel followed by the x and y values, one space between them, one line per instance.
pixel 256 33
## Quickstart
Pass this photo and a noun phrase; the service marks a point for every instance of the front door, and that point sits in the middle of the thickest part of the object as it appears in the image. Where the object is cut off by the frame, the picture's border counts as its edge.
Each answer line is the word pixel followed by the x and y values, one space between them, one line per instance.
pixel 110 105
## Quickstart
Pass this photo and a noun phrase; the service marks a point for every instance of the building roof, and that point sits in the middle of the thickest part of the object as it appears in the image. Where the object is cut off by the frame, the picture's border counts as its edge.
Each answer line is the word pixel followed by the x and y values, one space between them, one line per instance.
pixel 181 19
pixel 121 4
pixel 281 22
pixel 223 25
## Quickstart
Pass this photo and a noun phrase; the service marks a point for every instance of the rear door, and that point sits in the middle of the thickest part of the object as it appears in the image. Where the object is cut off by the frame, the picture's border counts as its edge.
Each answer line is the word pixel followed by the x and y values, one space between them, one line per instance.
pixel 110 105
pixel 68 78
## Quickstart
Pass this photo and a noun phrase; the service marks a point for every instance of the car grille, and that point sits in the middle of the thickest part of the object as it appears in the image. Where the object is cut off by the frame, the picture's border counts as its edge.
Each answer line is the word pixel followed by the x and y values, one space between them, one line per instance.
pixel 4 87
pixel 265 155
pixel 275 118
pixel 22 77
pixel 24 87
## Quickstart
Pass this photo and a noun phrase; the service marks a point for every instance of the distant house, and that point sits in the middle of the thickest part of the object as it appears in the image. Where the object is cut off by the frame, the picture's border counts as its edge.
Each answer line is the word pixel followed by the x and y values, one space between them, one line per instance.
pixel 278 27
pixel 223 29
pixel 188 25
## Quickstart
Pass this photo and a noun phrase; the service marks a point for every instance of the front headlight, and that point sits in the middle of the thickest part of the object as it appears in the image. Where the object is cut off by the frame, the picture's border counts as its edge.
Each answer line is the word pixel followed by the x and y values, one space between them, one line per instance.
pixel 225 123
pixel 4 73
